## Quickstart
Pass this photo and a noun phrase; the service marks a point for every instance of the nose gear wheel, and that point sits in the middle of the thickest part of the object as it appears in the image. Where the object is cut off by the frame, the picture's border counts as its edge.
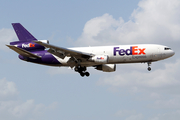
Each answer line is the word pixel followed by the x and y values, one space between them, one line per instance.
pixel 149 64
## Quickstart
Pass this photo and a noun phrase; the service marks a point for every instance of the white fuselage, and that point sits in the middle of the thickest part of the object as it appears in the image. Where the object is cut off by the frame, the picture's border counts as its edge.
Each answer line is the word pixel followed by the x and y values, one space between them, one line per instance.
pixel 124 54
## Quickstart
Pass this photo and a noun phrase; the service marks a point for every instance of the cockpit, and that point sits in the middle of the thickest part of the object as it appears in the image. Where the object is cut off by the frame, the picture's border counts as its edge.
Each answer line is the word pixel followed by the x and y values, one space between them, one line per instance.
pixel 166 48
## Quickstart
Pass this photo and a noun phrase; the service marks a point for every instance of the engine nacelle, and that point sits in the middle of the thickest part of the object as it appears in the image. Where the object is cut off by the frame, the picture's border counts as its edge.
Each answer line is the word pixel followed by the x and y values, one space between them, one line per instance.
pixel 44 41
pixel 106 67
pixel 99 59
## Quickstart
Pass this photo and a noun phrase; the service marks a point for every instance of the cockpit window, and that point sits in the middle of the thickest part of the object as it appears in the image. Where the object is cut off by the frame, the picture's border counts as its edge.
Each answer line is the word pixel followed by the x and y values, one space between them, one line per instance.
pixel 167 48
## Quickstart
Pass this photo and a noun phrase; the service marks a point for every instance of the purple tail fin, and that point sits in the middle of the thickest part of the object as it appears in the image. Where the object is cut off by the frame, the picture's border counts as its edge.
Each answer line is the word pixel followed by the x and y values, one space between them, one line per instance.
pixel 22 33
pixel 25 39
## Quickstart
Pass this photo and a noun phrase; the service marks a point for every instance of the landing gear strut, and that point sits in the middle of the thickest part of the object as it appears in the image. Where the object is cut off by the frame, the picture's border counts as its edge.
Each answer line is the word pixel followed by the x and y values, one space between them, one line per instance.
pixel 81 71
pixel 149 64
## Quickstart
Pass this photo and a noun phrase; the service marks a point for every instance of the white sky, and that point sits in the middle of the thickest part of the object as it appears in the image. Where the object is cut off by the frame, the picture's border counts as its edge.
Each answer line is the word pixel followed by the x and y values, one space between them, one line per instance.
pixel 35 92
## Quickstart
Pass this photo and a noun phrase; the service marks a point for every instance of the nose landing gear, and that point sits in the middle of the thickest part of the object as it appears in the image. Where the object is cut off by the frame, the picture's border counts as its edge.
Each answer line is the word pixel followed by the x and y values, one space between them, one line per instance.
pixel 81 71
pixel 149 64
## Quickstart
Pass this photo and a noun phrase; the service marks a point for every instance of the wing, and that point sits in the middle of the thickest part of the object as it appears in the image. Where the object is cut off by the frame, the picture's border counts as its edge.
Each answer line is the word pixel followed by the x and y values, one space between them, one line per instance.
pixel 63 52
pixel 23 52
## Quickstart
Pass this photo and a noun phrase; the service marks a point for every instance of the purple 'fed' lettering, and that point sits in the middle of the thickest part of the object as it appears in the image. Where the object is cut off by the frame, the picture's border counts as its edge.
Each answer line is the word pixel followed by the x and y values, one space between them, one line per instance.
pixel 115 50
pixel 122 52
pixel 134 50
pixel 129 51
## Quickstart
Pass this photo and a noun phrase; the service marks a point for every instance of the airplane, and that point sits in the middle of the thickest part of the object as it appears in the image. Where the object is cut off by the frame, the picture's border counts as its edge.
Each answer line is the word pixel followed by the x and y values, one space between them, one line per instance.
pixel 103 58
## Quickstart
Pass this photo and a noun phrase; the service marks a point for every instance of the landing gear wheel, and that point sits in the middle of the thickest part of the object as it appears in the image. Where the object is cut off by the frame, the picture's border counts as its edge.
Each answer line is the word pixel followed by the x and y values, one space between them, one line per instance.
pixel 82 74
pixel 87 74
pixel 149 64
pixel 76 69
pixel 81 71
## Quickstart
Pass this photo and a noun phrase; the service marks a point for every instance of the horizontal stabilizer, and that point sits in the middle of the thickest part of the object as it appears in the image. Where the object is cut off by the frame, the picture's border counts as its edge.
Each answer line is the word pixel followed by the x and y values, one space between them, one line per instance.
pixel 23 52
pixel 22 33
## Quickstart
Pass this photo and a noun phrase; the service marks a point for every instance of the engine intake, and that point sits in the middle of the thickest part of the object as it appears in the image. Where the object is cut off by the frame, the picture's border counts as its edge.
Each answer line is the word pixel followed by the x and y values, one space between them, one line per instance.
pixel 44 41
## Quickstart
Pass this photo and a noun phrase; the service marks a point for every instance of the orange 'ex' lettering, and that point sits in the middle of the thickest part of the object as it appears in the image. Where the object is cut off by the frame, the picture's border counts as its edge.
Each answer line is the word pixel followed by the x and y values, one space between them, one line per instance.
pixel 142 51
pixel 135 50
pixel 31 45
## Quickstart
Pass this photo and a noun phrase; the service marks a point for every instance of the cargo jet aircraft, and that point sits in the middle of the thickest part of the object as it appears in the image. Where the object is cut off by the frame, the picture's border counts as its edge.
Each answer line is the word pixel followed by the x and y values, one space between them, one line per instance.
pixel 103 58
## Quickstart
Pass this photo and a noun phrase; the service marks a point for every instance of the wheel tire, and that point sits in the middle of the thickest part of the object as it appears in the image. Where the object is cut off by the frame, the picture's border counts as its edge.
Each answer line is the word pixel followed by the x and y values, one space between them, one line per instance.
pixel 82 74
pixel 87 74
pixel 149 69
pixel 76 69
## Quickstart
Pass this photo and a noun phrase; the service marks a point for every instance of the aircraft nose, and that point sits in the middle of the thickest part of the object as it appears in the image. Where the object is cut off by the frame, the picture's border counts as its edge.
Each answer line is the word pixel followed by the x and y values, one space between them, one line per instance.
pixel 172 52
pixel 168 52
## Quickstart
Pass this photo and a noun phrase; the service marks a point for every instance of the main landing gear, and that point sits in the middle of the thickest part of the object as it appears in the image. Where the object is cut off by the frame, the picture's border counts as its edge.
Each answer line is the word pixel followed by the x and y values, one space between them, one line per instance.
pixel 81 71
pixel 149 64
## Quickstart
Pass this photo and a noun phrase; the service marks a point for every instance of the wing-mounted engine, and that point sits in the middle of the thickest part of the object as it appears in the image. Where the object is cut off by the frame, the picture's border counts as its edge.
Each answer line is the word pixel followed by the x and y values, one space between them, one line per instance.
pixel 106 67
pixel 99 59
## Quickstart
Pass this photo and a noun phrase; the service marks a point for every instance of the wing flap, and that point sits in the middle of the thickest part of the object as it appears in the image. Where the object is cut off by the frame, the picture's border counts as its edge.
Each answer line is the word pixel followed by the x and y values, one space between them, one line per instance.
pixel 23 52
pixel 62 52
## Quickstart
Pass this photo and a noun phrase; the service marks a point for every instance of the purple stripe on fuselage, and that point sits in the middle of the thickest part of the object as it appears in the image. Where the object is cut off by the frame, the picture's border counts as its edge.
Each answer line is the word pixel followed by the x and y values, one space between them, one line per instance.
pixel 29 46
pixel 46 58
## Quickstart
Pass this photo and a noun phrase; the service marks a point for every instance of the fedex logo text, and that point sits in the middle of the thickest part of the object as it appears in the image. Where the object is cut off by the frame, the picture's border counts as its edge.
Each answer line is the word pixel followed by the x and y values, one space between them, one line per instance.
pixel 134 50
pixel 100 58
pixel 28 45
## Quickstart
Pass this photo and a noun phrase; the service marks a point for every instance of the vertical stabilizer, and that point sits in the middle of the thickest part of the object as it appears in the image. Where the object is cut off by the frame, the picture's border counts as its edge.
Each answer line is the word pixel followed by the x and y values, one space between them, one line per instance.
pixel 22 33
